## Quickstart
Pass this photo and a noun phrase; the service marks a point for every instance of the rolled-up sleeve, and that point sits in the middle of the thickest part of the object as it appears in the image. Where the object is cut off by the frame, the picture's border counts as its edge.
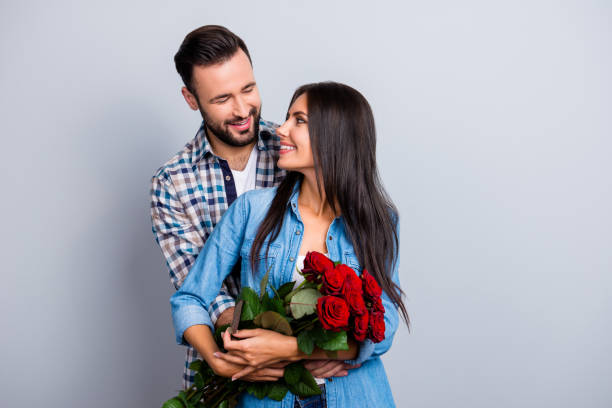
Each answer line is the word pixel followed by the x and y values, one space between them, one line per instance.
pixel 190 304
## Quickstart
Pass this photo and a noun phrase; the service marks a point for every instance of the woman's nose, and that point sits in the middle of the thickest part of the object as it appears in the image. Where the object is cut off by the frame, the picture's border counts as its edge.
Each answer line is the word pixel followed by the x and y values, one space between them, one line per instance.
pixel 281 131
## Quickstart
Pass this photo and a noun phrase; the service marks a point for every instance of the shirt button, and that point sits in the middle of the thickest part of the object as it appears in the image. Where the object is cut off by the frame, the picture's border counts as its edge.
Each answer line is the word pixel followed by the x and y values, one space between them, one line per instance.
pixel 330 238
pixel 330 379
pixel 228 178
pixel 297 232
pixel 292 259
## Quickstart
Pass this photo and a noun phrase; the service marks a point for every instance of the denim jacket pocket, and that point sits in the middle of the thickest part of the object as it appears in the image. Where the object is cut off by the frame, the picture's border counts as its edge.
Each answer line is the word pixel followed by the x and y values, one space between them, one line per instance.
pixel 266 259
pixel 350 259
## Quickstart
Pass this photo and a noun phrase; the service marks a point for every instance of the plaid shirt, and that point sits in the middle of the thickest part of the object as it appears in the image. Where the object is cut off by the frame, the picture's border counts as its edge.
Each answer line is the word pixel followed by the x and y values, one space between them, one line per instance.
pixel 189 195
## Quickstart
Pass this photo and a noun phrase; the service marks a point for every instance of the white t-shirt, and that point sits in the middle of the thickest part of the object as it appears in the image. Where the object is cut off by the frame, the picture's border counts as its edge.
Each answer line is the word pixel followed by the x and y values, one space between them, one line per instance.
pixel 245 180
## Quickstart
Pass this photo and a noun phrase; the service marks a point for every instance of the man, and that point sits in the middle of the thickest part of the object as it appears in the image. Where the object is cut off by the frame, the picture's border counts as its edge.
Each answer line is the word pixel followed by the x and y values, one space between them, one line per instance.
pixel 233 151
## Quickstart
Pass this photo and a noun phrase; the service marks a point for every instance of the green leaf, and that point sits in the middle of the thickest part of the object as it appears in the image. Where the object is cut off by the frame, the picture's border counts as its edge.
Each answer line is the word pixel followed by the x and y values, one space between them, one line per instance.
pixel 278 390
pixel 329 340
pixel 198 380
pixel 183 397
pixel 219 331
pixel 258 389
pixel 223 404
pixel 173 403
pixel 306 342
pixel 196 397
pixel 273 304
pixel 292 373
pixel 196 365
pixel 300 381
pixel 285 289
pixel 304 302
pixel 264 282
pixel 252 305
pixel 273 321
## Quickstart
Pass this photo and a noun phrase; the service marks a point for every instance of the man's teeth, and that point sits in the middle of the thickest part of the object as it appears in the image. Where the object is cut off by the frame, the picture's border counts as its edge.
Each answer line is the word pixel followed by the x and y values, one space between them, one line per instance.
pixel 283 147
pixel 241 123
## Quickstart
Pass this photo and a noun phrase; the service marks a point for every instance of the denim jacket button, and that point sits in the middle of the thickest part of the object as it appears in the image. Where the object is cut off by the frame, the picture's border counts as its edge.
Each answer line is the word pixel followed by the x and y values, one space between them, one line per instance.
pixel 297 232
pixel 292 259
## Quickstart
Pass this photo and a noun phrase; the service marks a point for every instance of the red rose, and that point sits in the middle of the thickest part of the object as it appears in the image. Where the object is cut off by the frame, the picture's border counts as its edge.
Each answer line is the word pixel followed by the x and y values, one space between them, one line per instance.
pixel 377 327
pixel 370 286
pixel 377 305
pixel 315 264
pixel 352 283
pixel 361 326
pixel 333 313
pixel 333 280
pixel 355 302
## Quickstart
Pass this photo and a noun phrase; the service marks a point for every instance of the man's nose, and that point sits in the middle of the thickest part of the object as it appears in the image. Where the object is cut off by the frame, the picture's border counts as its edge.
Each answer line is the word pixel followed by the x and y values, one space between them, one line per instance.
pixel 241 108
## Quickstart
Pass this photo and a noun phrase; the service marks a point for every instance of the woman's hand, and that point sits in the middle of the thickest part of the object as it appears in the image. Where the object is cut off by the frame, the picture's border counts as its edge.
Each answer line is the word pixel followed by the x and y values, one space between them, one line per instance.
pixel 328 368
pixel 269 373
pixel 258 348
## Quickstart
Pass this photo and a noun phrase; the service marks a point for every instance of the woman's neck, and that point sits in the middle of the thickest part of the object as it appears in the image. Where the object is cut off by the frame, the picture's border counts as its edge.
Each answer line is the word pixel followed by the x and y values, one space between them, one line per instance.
pixel 313 199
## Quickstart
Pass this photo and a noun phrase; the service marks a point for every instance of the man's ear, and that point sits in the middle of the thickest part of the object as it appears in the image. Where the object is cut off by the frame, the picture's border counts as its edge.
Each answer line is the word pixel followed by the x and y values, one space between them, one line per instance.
pixel 189 98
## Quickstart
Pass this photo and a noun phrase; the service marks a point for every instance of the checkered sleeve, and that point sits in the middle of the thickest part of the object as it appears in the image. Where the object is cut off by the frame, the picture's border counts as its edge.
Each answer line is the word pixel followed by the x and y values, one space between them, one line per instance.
pixel 179 240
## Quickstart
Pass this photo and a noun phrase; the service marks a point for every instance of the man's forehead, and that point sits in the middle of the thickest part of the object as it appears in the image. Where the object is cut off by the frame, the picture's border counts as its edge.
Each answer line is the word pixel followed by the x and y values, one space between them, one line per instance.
pixel 229 76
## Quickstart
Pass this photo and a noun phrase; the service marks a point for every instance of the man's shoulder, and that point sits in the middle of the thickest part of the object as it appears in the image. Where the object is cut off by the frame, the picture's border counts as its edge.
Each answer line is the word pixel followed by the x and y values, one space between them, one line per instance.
pixel 267 134
pixel 183 161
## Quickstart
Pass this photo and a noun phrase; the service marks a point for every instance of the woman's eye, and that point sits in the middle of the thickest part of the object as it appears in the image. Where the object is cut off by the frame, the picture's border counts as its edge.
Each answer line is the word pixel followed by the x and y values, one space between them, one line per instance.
pixel 300 120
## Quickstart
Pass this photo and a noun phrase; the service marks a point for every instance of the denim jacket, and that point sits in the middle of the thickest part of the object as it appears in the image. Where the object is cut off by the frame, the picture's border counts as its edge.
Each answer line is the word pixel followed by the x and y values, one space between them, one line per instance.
pixel 231 240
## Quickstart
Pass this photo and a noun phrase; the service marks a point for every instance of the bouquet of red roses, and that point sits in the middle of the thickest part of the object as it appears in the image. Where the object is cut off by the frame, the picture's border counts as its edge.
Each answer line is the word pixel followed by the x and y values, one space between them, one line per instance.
pixel 332 303
pixel 348 302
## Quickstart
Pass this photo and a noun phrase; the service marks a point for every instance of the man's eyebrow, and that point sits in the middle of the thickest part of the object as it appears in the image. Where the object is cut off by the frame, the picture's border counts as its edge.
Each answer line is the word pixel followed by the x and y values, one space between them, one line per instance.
pixel 219 97
pixel 250 84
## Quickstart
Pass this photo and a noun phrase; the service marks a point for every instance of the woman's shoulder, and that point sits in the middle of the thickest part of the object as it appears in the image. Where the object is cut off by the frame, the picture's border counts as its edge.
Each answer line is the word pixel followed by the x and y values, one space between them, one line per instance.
pixel 260 196
pixel 256 202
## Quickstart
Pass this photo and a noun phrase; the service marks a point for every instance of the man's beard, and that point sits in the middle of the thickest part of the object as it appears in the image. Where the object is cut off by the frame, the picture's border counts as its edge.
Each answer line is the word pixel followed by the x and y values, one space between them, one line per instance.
pixel 225 135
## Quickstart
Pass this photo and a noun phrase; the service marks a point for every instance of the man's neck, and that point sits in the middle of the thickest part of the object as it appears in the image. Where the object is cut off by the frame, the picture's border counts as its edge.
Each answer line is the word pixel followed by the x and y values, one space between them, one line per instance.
pixel 237 157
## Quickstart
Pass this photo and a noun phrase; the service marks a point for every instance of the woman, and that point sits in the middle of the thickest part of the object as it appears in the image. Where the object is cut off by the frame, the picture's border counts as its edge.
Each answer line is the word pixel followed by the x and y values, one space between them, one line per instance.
pixel 332 202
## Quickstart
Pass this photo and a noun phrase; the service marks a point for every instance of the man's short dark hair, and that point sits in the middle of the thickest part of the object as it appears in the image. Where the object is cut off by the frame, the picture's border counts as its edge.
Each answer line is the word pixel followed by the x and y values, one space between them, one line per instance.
pixel 207 45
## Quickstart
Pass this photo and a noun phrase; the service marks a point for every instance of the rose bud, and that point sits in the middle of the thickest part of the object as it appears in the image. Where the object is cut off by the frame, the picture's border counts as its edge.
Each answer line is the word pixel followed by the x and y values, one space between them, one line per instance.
pixel 370 287
pixel 315 264
pixel 377 305
pixel 355 301
pixel 377 327
pixel 352 283
pixel 333 280
pixel 361 326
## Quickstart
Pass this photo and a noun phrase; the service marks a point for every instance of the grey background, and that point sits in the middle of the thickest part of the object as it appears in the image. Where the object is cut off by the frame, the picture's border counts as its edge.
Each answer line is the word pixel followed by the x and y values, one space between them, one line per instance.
pixel 494 127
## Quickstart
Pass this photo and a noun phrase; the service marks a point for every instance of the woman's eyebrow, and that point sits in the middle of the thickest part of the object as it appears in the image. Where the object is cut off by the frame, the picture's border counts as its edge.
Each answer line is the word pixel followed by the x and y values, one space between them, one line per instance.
pixel 299 113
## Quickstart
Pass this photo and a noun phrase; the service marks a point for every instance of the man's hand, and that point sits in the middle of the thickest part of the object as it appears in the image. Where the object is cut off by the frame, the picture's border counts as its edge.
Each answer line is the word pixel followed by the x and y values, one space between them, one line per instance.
pixel 225 317
pixel 328 368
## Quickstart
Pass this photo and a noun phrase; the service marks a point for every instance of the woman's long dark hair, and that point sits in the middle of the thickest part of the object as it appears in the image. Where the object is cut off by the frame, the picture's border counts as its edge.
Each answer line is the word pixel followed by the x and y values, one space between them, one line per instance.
pixel 343 142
